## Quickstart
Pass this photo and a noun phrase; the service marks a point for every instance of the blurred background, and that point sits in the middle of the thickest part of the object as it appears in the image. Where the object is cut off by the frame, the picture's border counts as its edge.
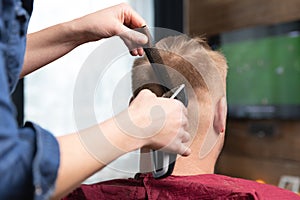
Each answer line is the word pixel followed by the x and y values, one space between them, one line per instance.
pixel 261 41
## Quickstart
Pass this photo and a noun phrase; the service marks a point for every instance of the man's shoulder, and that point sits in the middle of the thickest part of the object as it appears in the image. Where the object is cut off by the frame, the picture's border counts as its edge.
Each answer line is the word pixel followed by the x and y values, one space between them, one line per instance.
pixel 207 186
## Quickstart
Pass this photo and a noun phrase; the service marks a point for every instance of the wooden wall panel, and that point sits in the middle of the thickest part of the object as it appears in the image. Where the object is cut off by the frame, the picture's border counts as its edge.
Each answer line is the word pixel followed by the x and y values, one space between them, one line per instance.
pixel 211 17
pixel 278 139
pixel 261 149
pixel 252 168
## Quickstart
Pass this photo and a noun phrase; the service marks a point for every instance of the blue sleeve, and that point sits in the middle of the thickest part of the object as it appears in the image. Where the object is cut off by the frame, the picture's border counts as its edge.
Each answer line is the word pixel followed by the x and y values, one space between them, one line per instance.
pixel 29 156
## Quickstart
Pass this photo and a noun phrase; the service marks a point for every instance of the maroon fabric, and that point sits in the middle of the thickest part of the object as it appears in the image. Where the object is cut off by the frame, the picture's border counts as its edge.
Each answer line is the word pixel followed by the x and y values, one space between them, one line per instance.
pixel 210 186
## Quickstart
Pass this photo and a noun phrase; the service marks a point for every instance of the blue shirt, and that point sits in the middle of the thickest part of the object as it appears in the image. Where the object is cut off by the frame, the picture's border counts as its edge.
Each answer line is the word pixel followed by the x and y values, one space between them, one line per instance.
pixel 29 155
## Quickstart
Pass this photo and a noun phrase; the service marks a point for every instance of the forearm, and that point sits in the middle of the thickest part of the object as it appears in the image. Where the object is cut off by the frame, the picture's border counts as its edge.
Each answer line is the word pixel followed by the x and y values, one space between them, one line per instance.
pixel 52 43
pixel 49 44
pixel 88 151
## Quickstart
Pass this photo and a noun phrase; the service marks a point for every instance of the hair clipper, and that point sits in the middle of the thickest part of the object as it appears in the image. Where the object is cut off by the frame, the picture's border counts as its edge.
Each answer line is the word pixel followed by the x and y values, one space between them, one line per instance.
pixel 163 162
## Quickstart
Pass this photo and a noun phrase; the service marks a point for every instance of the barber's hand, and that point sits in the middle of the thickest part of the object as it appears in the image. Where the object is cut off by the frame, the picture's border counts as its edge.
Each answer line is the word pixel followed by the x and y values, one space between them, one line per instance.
pixel 115 20
pixel 161 122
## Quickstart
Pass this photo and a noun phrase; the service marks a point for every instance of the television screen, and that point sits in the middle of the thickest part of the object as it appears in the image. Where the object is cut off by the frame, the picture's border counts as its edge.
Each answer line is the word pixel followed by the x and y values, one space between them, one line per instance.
pixel 264 71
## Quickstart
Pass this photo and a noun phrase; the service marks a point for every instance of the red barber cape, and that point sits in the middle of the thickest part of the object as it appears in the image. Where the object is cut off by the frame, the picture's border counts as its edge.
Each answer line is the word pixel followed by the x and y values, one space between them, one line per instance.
pixel 204 187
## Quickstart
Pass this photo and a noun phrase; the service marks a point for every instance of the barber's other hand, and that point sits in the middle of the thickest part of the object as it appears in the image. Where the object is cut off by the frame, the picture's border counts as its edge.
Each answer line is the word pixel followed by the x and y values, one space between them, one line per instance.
pixel 162 123
pixel 115 20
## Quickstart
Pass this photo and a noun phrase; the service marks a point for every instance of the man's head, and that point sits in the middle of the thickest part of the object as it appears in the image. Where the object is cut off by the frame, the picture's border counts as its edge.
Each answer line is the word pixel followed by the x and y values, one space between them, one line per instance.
pixel 192 62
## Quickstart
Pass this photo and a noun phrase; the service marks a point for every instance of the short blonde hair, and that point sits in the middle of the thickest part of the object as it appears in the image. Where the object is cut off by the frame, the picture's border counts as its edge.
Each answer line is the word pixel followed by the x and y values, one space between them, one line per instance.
pixel 185 55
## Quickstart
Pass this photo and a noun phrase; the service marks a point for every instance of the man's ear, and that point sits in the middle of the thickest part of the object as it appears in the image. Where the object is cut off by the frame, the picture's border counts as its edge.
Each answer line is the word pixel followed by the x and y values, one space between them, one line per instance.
pixel 220 115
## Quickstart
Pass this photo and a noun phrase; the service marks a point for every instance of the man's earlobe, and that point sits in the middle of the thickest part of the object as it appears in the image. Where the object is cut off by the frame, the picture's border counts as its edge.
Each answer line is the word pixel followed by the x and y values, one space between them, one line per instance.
pixel 220 115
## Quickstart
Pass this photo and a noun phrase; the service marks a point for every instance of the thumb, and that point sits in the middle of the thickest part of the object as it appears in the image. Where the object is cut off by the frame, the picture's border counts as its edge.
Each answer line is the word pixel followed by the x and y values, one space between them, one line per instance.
pixel 132 38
